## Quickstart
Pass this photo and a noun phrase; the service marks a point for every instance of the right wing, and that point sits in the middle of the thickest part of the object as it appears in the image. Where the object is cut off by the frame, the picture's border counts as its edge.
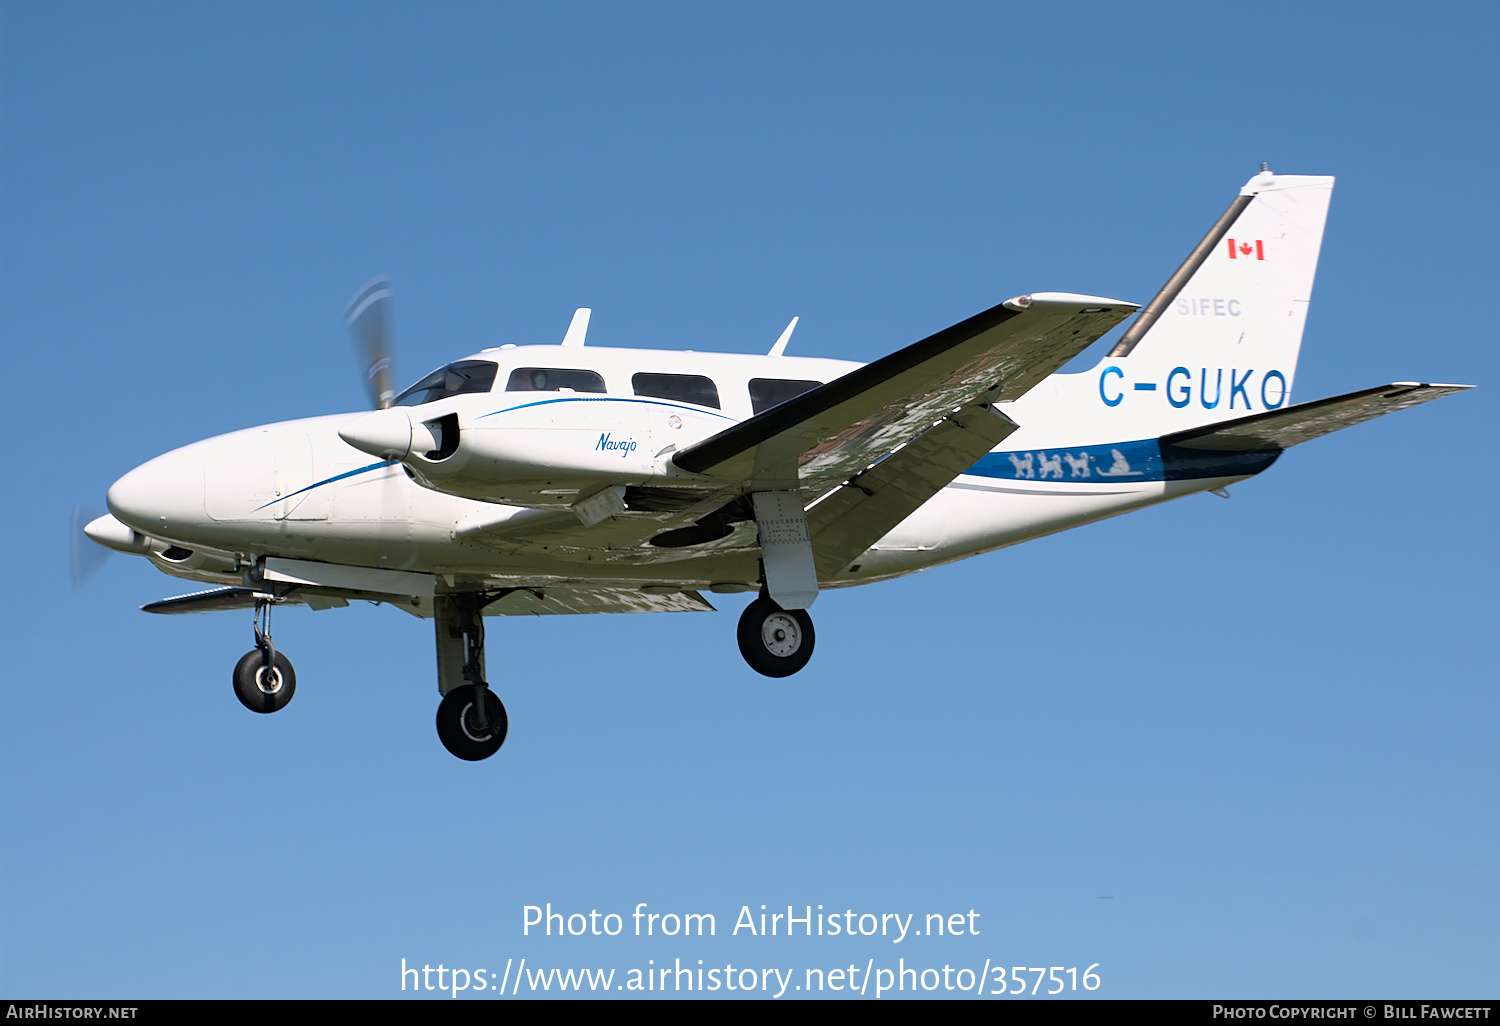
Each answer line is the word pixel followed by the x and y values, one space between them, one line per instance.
pixel 835 431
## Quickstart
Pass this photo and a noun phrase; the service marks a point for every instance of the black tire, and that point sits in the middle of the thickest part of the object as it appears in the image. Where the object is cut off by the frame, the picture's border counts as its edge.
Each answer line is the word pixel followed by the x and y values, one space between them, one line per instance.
pixel 260 691
pixel 774 641
pixel 458 731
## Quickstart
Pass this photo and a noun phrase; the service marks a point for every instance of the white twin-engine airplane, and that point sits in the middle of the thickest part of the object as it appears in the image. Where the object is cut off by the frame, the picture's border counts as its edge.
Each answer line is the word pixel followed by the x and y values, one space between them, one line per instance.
pixel 573 479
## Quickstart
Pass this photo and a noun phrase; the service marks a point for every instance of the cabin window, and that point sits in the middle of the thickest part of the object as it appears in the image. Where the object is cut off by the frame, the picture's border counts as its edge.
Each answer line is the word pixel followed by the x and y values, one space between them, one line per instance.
pixel 768 392
pixel 685 388
pixel 553 379
pixel 455 379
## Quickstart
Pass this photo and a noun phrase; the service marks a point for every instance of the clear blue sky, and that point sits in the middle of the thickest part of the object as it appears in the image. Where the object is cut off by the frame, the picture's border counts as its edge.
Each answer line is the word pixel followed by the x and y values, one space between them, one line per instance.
pixel 1265 727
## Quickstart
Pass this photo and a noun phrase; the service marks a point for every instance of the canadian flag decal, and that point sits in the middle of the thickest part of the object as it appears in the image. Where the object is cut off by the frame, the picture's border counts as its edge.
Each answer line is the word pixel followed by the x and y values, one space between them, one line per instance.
pixel 1244 249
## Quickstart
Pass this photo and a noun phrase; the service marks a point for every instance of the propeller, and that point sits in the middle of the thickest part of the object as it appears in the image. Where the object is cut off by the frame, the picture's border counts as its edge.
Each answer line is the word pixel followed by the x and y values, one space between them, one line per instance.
pixel 85 557
pixel 369 320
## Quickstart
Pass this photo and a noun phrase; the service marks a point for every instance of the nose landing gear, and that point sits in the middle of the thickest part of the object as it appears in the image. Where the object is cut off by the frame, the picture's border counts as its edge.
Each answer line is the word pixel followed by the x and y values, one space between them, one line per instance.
pixel 264 680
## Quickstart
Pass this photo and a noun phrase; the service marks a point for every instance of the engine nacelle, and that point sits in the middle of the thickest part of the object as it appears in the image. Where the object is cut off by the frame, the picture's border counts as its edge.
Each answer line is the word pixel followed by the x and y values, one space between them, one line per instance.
pixel 539 449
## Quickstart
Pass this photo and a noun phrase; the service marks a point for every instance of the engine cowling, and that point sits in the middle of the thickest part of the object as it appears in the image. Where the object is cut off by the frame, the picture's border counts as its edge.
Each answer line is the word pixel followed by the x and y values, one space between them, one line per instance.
pixel 545 450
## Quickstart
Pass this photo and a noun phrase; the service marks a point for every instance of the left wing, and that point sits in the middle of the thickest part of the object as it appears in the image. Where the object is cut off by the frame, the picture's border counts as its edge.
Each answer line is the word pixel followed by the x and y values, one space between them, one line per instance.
pixel 212 600
pixel 515 602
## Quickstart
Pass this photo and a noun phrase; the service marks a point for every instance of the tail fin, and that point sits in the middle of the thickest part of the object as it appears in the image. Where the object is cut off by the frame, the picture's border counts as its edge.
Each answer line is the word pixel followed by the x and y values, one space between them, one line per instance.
pixel 1221 338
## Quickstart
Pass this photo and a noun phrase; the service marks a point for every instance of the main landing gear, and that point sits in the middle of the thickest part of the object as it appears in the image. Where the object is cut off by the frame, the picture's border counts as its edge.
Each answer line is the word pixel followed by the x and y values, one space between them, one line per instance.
pixel 471 719
pixel 263 678
pixel 776 632
pixel 774 641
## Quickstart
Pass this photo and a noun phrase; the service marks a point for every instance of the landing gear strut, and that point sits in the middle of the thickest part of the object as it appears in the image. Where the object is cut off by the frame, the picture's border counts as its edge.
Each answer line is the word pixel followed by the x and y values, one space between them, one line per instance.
pixel 774 641
pixel 471 719
pixel 263 679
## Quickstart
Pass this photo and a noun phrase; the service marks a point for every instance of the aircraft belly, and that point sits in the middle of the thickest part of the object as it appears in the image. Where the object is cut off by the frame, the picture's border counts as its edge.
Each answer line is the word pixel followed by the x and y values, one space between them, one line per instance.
pixel 966 519
pixel 537 566
pixel 963 520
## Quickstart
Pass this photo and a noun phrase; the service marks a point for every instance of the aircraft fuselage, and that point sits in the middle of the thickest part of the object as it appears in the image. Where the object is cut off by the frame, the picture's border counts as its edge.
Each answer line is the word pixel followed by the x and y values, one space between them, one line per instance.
pixel 297 490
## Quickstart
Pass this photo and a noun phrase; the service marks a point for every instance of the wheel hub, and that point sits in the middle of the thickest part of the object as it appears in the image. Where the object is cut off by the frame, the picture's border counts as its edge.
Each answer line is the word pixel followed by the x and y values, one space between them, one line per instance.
pixel 781 635
pixel 468 721
pixel 268 680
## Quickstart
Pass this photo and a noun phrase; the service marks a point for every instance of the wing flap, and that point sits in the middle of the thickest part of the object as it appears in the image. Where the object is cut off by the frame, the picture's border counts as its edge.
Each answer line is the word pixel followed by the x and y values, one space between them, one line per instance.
pixel 541 601
pixel 869 506
pixel 835 431
pixel 1280 429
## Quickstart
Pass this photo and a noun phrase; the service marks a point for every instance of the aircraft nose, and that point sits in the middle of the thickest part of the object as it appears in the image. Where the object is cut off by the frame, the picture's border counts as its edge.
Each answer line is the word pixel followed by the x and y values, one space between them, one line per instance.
pixel 162 495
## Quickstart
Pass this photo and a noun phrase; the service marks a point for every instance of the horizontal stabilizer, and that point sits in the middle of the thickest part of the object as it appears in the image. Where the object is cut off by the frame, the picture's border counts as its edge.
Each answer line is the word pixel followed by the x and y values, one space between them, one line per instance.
pixel 1279 429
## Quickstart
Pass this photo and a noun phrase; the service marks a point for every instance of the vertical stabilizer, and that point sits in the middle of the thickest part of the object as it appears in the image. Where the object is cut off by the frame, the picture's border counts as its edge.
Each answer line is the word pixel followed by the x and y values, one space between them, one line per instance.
pixel 1221 338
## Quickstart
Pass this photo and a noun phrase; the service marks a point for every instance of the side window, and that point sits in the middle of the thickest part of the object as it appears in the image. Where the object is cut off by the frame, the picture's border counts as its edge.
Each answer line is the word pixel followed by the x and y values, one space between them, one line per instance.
pixel 553 379
pixel 685 388
pixel 768 392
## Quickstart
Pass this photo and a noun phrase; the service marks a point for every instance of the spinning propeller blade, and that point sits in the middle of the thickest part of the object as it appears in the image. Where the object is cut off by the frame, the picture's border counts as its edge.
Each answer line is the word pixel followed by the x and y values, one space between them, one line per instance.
pixel 370 322
pixel 84 556
pixel 369 319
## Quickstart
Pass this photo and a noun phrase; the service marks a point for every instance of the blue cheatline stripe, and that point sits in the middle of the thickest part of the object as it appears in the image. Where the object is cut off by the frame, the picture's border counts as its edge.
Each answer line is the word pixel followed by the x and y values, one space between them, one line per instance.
pixel 608 399
pixel 1120 462
pixel 320 484
pixel 1144 460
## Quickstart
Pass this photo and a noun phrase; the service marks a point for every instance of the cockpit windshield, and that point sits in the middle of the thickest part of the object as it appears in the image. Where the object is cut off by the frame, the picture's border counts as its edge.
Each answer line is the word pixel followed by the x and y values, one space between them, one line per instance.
pixel 455 379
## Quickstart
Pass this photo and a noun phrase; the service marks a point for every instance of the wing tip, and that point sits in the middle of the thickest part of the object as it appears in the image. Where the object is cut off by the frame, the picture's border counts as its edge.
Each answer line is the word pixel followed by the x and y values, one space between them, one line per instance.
pixel 1074 299
pixel 1445 388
